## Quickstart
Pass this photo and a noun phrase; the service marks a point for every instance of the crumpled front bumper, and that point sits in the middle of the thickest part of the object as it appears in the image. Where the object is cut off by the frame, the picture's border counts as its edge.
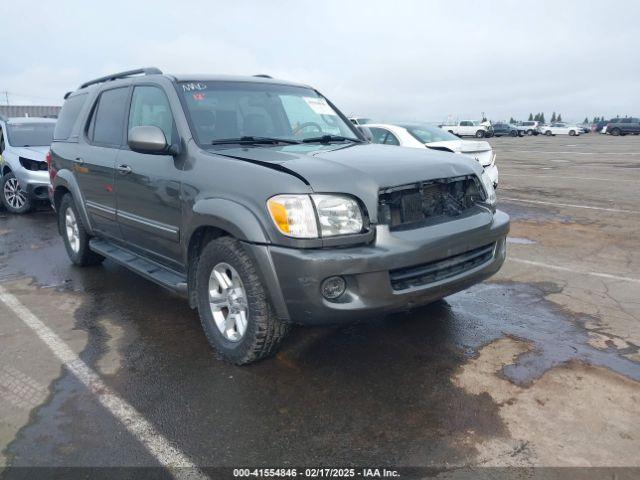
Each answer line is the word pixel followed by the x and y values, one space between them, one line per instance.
pixel 294 276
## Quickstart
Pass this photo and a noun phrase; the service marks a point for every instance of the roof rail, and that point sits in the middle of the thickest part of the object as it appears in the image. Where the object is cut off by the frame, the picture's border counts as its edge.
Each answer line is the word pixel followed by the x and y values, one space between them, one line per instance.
pixel 263 75
pixel 128 73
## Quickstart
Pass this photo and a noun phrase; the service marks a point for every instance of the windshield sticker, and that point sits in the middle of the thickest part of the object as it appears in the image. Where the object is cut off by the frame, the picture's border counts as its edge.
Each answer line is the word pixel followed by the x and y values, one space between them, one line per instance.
pixel 198 96
pixel 192 87
pixel 319 105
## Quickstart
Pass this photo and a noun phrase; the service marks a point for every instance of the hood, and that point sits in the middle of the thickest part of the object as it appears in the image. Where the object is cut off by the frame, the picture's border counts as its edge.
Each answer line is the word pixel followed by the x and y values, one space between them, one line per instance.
pixel 361 170
pixel 478 150
pixel 32 153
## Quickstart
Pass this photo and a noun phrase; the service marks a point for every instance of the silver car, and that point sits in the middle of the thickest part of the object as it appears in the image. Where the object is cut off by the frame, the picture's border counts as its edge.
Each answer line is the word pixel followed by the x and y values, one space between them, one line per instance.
pixel 24 176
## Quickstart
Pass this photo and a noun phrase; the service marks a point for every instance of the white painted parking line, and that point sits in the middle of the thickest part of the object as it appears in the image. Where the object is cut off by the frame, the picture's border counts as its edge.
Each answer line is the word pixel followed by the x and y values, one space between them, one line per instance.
pixel 571 152
pixel 572 270
pixel 539 202
pixel 562 177
pixel 167 455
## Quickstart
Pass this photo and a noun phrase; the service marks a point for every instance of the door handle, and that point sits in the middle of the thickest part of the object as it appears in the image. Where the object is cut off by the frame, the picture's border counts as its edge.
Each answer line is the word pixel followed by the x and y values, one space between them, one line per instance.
pixel 79 160
pixel 124 169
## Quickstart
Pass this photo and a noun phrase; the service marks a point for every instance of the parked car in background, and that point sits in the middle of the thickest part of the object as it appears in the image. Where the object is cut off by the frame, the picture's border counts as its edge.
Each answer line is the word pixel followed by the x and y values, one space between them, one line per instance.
pixel 418 135
pixel 560 129
pixel 585 127
pixel 468 128
pixel 24 143
pixel 598 126
pixel 263 205
pixel 530 127
pixel 505 129
pixel 359 120
pixel 623 126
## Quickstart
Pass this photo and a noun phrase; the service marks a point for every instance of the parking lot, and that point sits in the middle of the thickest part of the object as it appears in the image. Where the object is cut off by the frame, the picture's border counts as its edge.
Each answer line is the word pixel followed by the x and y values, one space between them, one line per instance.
pixel 540 365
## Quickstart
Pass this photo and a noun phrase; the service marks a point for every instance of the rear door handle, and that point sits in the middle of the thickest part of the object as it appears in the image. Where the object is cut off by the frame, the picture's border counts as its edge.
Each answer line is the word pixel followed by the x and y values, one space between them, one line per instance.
pixel 124 169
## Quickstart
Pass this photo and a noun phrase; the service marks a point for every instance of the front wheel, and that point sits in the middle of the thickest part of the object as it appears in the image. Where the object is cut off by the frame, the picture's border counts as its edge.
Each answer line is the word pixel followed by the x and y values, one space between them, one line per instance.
pixel 480 134
pixel 76 239
pixel 14 198
pixel 234 309
pixel 548 133
pixel 615 132
pixel 572 133
pixel 514 133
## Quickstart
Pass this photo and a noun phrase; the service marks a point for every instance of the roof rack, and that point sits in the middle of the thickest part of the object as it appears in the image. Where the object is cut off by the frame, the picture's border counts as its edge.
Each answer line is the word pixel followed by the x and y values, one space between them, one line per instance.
pixel 128 73
pixel 263 75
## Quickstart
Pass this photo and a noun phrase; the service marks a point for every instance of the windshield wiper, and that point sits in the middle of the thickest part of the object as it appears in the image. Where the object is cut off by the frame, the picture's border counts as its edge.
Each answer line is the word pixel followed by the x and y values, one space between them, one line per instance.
pixel 250 140
pixel 331 138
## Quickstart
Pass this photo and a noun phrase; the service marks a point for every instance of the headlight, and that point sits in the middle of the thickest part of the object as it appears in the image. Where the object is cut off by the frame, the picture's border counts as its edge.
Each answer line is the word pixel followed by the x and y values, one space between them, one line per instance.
pixel 295 216
pixel 489 191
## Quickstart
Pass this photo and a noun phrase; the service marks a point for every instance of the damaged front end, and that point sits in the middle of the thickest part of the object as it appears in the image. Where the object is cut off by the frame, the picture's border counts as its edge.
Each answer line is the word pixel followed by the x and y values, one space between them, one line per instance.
pixel 429 202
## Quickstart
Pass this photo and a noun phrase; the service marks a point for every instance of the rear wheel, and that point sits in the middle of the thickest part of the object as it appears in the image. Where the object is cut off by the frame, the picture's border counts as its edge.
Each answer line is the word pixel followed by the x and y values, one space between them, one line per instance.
pixel 14 198
pixel 530 132
pixel 480 134
pixel 76 239
pixel 615 132
pixel 572 133
pixel 548 133
pixel 514 133
pixel 234 310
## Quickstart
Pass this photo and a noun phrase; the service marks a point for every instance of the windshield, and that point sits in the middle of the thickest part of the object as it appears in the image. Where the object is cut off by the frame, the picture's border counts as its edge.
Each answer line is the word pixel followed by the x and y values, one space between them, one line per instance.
pixel 30 134
pixel 223 110
pixel 428 134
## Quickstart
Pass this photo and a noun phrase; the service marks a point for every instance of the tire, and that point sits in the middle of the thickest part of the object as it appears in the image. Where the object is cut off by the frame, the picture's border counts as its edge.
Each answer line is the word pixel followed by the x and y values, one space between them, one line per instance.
pixel 530 132
pixel 77 247
pixel 615 132
pixel 263 330
pixel 548 133
pixel 514 133
pixel 14 199
pixel 572 133
pixel 480 134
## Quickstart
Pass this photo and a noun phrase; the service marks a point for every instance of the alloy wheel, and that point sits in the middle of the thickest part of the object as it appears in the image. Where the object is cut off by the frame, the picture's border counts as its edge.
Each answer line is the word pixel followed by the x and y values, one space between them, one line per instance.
pixel 71 229
pixel 228 302
pixel 13 194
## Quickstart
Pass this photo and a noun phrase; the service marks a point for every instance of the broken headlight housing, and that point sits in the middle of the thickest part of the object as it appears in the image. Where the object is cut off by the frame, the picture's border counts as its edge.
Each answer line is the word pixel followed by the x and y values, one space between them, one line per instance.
pixel 315 216
pixel 489 191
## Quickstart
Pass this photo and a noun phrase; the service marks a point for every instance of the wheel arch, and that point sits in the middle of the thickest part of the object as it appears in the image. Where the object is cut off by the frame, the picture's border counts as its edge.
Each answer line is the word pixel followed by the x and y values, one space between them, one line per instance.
pixel 64 182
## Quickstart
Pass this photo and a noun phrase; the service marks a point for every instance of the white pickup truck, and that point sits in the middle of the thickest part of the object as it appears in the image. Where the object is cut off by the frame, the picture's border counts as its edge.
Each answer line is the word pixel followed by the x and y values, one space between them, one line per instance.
pixel 468 128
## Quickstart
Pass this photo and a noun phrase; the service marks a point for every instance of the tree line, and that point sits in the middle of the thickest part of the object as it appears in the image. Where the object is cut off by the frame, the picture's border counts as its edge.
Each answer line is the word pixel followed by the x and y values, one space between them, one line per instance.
pixel 539 117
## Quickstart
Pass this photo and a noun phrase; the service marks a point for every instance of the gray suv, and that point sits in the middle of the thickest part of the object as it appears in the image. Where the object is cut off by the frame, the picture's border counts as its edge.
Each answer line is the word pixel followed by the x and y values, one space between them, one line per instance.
pixel 261 203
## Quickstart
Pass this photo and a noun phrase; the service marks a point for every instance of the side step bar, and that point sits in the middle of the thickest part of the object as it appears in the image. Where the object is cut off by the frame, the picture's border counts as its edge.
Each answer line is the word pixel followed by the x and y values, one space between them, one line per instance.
pixel 159 274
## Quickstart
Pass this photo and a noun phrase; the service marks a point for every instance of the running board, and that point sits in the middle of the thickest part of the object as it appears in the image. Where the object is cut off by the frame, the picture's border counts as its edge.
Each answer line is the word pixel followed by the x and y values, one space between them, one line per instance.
pixel 150 270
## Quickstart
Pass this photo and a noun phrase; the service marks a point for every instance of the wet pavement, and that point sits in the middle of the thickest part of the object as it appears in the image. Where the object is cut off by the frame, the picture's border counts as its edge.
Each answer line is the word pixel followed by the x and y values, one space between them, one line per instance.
pixel 466 381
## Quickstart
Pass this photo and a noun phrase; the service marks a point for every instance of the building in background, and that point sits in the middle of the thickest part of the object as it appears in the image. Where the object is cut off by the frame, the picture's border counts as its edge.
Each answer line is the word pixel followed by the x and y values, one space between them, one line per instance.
pixel 29 111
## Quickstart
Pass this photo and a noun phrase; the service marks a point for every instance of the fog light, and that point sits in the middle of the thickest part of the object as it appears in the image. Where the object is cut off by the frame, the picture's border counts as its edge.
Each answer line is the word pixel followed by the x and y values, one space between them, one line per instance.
pixel 333 287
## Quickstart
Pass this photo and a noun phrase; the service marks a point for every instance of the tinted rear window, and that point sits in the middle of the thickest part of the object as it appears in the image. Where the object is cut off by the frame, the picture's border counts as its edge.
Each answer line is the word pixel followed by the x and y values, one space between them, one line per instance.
pixel 68 116
pixel 108 117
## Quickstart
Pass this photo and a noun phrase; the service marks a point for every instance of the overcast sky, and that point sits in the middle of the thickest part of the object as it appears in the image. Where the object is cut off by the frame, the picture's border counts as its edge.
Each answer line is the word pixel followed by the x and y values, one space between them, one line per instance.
pixel 391 59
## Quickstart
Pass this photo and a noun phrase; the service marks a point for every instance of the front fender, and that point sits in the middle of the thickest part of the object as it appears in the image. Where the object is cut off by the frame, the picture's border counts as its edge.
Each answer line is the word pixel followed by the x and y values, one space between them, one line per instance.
pixel 65 179
pixel 229 216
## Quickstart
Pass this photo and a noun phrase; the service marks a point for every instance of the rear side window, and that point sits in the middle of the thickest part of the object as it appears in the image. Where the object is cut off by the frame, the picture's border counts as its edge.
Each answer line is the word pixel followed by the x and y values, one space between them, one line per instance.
pixel 68 116
pixel 106 126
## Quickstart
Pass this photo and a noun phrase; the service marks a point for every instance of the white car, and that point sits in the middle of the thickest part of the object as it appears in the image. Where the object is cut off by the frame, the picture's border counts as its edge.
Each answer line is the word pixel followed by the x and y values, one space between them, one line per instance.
pixel 468 128
pixel 24 175
pixel 530 127
pixel 560 129
pixel 417 135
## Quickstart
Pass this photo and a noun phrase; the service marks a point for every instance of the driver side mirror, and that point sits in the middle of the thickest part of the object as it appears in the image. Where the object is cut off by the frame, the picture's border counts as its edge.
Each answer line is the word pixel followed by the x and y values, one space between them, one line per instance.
pixel 148 139
pixel 366 132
